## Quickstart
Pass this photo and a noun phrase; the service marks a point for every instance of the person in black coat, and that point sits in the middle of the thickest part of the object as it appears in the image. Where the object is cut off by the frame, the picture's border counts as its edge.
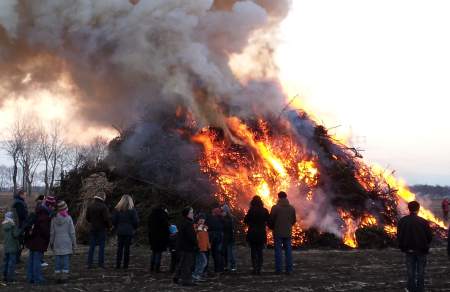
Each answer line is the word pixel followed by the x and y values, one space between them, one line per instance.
pixel 158 235
pixel 187 247
pixel 125 221
pixel 414 238
pixel 99 219
pixel 257 219
pixel 216 227
pixel 20 210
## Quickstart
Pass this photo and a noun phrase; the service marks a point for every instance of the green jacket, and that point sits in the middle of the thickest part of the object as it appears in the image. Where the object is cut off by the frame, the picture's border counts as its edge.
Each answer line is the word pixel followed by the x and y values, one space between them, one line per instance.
pixel 10 235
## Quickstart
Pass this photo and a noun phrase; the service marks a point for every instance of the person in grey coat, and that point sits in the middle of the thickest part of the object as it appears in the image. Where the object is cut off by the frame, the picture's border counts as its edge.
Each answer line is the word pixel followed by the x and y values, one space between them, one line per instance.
pixel 62 241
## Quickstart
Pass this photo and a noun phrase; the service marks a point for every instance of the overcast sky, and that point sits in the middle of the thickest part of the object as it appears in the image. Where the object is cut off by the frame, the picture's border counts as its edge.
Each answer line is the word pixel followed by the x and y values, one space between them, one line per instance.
pixel 382 69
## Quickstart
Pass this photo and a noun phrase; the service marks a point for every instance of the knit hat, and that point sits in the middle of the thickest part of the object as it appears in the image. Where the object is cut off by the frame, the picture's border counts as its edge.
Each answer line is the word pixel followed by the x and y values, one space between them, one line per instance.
pixel 173 229
pixel 9 215
pixel 61 206
pixel 50 200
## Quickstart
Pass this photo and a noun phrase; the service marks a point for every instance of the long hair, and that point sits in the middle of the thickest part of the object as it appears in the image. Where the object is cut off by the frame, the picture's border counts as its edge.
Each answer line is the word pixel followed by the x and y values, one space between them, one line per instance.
pixel 256 202
pixel 125 203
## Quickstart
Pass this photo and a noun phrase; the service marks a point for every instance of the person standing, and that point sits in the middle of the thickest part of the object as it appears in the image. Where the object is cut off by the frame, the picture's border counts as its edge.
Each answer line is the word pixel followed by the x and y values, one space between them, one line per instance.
pixel 173 231
pixel 187 246
pixel 228 239
pixel 445 208
pixel 282 218
pixel 158 235
pixel 62 241
pixel 201 258
pixel 20 210
pixel 216 227
pixel 10 246
pixel 97 214
pixel 125 221
pixel 414 238
pixel 257 219
pixel 39 239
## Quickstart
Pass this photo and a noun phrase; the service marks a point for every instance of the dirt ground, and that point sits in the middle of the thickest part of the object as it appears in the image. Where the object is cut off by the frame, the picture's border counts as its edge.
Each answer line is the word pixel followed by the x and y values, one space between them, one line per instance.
pixel 314 270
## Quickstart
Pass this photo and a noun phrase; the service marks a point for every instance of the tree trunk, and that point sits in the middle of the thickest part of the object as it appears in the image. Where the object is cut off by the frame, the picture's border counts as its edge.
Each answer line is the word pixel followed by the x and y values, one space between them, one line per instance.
pixel 14 176
pixel 52 178
pixel 24 175
pixel 46 177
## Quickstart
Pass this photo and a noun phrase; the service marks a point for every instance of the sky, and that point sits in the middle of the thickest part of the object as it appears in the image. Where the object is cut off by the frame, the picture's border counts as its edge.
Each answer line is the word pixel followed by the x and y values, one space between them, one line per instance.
pixel 380 70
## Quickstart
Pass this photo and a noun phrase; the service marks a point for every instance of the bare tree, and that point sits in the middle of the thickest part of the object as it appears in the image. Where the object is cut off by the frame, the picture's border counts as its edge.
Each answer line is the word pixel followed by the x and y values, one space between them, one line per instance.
pixel 52 150
pixel 75 156
pixel 13 147
pixel 97 150
pixel 4 177
pixel 30 155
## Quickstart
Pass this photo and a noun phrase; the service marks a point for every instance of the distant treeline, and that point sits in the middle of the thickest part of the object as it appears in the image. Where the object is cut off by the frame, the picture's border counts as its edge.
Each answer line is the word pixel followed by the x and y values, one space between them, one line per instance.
pixel 433 191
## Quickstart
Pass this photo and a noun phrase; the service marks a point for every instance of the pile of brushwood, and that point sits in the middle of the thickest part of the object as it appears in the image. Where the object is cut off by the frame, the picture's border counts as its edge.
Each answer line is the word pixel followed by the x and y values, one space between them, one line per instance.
pixel 157 163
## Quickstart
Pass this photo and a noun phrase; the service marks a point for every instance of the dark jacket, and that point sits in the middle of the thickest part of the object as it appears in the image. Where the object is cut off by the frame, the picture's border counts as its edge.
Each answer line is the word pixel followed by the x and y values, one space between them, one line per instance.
pixel 257 219
pixel 228 230
pixel 215 223
pixel 282 218
pixel 39 237
pixel 125 222
pixel 186 238
pixel 20 210
pixel 158 229
pixel 97 214
pixel 414 234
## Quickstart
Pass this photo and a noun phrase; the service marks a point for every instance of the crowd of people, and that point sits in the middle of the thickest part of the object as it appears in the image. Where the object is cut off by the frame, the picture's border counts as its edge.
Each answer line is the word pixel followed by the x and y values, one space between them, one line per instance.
pixel 198 243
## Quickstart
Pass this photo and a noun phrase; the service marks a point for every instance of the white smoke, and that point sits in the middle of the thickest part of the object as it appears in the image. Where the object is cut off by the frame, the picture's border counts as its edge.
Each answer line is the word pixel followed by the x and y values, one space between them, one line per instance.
pixel 121 55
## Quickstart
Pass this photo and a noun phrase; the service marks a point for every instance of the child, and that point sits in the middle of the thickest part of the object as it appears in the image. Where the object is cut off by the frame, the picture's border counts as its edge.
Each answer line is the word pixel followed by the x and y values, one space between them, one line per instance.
pixel 173 247
pixel 203 245
pixel 11 246
pixel 62 241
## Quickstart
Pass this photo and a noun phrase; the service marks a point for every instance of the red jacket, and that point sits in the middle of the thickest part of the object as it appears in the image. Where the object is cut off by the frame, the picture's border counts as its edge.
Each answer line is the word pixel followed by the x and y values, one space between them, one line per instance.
pixel 40 233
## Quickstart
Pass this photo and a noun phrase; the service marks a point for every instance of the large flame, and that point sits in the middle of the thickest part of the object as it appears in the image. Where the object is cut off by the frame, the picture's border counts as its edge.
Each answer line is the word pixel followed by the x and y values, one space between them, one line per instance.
pixel 269 159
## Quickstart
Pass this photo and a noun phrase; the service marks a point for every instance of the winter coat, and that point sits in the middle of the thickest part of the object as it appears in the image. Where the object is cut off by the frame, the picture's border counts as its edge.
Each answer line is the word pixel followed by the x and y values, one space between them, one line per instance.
pixel 39 237
pixel 186 239
pixel 125 222
pixel 215 223
pixel 228 230
pixel 282 218
pixel 20 210
pixel 414 234
pixel 97 214
pixel 257 219
pixel 11 236
pixel 202 238
pixel 62 235
pixel 158 230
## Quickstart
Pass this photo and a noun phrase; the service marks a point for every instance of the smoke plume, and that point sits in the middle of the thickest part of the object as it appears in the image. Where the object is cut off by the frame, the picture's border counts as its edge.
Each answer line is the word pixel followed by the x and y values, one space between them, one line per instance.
pixel 123 57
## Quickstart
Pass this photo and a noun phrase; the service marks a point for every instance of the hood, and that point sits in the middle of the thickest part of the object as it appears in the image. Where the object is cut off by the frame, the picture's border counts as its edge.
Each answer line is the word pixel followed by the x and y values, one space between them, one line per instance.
pixel 60 220
pixel 283 202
